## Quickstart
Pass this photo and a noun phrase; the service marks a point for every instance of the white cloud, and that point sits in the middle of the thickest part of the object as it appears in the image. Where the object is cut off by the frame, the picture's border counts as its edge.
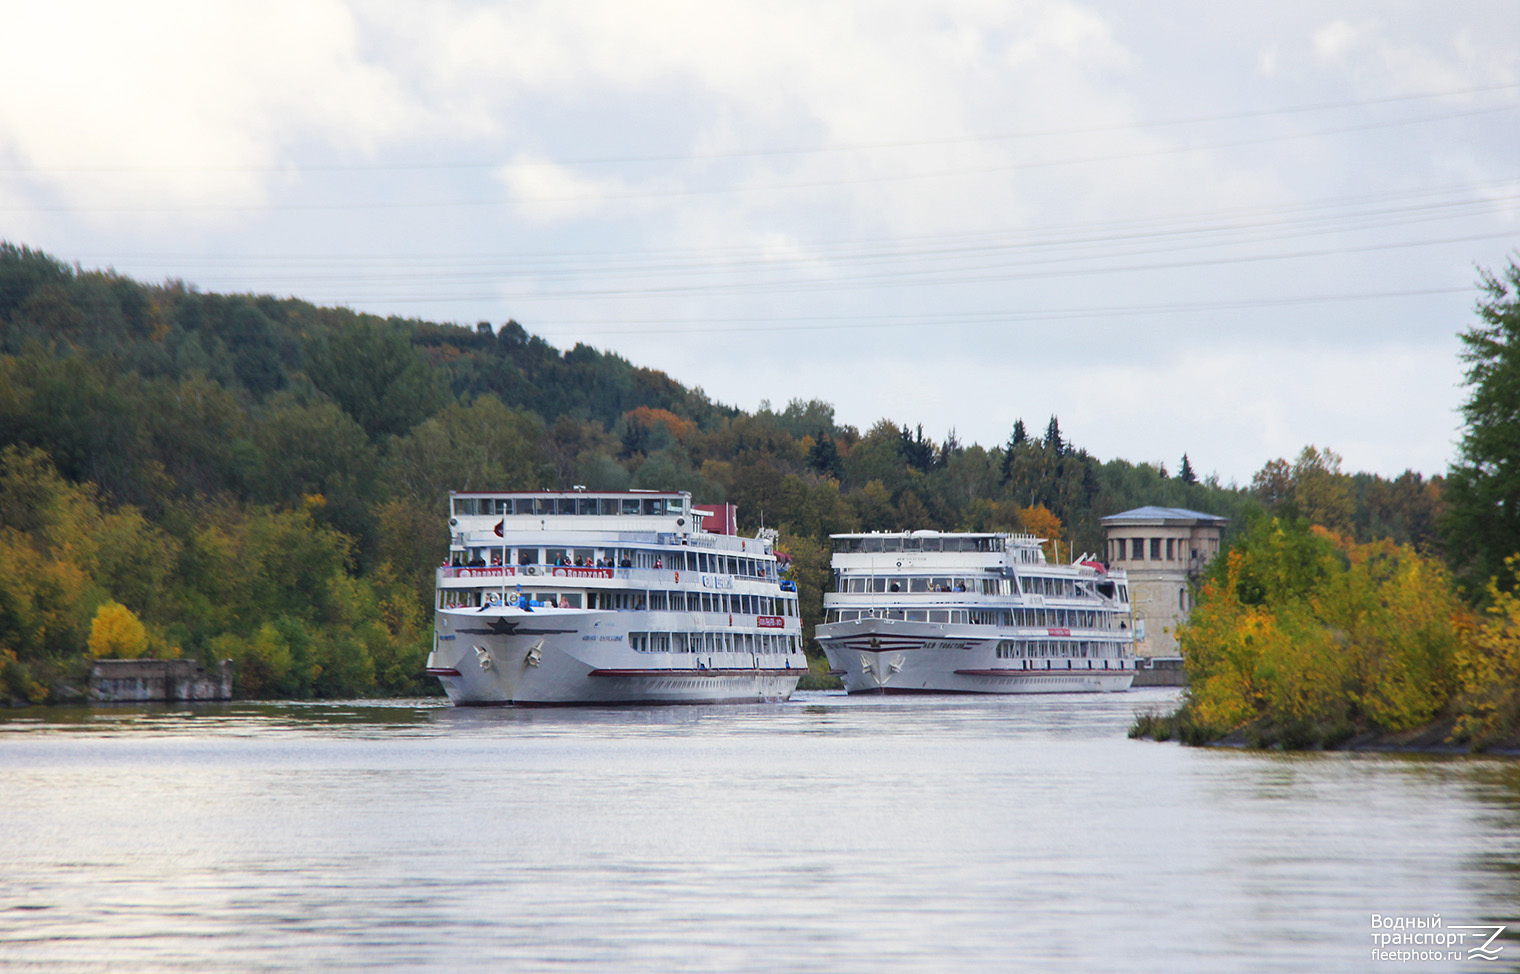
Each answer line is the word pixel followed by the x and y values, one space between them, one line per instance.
pixel 169 103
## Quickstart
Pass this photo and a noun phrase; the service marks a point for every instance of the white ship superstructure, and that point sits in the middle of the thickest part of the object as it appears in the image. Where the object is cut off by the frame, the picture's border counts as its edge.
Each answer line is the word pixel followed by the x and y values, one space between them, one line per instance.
pixel 929 612
pixel 575 597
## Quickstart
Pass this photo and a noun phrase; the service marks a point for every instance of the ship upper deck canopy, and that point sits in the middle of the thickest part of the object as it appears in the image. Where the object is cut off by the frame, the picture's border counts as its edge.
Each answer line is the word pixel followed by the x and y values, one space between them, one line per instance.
pixel 928 541
pixel 574 503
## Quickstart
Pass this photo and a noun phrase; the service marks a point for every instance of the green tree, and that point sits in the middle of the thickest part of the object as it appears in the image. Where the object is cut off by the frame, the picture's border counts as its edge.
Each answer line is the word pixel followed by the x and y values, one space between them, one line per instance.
pixel 823 457
pixel 372 372
pixel 480 445
pixel 1482 523
pixel 1186 474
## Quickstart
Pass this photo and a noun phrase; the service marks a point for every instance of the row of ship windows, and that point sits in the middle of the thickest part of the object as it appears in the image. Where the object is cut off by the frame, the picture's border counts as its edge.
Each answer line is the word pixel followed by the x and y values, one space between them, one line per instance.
pixel 658 601
pixel 1052 649
pixel 545 506
pixel 712 642
pixel 1057 588
pixel 872 545
pixel 678 559
pixel 1029 618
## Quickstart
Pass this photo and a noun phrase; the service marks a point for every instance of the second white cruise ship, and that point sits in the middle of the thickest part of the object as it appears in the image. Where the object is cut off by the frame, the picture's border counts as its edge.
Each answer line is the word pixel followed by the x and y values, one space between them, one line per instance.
pixel 926 612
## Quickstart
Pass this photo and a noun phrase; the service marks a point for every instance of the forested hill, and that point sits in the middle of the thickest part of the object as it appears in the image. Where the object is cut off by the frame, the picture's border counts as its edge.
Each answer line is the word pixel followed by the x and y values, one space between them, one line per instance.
pixel 264 479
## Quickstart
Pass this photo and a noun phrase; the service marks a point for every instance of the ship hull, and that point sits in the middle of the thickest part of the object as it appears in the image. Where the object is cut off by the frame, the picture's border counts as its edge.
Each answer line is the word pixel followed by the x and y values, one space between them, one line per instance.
pixel 547 657
pixel 889 656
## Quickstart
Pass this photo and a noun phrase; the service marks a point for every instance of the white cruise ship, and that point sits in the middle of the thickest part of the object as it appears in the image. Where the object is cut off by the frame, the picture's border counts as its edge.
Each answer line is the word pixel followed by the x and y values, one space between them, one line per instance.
pixel 578 597
pixel 926 612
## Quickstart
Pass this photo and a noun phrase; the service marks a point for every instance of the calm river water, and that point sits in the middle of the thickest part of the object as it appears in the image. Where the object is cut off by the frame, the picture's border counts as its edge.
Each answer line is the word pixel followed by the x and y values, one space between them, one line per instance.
pixel 826 834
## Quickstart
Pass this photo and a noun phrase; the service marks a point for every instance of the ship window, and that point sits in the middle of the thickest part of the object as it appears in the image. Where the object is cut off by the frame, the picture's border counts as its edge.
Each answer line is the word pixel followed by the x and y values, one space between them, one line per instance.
pixel 654 505
pixel 916 615
pixel 939 615
pixel 931 544
pixel 657 601
pixel 630 505
pixel 585 505
pixel 918 585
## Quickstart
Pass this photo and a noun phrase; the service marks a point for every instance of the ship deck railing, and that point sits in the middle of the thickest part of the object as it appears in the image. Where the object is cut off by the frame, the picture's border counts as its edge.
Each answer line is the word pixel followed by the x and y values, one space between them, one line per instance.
pixel 560 573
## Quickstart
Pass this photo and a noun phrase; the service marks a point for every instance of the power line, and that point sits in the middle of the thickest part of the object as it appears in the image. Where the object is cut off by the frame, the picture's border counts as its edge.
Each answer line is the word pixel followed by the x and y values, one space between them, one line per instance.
pixel 794 150
pixel 689 192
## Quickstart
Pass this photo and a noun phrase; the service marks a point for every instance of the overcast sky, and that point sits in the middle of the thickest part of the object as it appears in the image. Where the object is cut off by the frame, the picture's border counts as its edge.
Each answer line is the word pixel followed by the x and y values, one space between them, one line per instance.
pixel 1223 229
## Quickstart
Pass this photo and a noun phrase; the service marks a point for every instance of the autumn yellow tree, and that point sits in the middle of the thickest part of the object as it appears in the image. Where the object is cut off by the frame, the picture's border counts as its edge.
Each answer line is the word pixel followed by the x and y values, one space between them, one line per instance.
pixel 1041 522
pixel 1316 636
pixel 1488 667
pixel 117 632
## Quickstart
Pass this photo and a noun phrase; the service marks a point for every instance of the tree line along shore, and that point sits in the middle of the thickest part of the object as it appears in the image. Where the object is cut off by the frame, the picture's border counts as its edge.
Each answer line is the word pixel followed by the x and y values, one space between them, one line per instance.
pixel 260 479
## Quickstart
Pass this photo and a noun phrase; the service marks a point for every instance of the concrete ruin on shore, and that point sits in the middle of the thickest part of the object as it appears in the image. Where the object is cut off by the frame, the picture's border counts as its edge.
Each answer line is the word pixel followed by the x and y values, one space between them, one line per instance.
pixel 166 680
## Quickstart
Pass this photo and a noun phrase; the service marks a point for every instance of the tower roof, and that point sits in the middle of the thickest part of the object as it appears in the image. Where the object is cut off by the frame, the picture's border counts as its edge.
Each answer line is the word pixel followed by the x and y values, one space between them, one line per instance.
pixel 1162 515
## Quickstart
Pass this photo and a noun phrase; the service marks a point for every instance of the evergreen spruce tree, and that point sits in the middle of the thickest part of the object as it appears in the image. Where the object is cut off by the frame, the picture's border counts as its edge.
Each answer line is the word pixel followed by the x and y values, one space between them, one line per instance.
pixel 1186 475
pixel 1053 438
pixel 1017 439
pixel 1482 524
pixel 823 458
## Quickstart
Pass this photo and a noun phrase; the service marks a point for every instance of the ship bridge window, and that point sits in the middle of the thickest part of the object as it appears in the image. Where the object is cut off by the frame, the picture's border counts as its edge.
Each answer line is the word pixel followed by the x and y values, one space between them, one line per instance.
pixel 585 505
pixel 630 505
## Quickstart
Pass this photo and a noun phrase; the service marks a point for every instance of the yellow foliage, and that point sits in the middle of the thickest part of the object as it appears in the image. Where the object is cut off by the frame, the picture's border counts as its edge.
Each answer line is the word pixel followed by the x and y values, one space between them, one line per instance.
pixel 1041 522
pixel 647 417
pixel 1488 666
pixel 117 632
pixel 1376 639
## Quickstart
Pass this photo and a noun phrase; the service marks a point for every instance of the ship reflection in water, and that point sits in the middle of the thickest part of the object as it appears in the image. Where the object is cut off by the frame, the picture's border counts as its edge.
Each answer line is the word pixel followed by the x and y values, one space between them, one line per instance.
pixel 829 833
